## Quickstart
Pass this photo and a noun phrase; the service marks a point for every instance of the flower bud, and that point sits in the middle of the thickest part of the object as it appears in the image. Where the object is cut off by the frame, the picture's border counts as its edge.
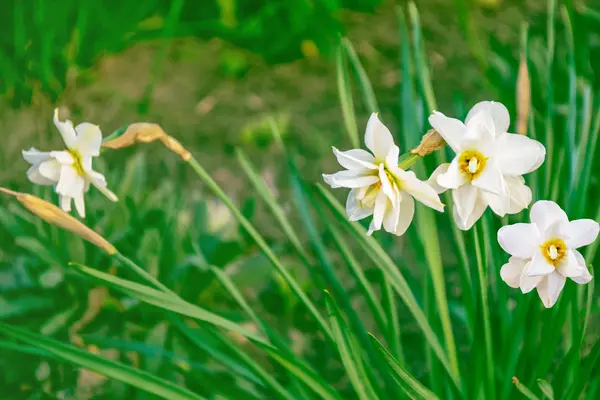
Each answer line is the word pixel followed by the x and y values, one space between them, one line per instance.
pixel 430 142
pixel 145 132
pixel 55 216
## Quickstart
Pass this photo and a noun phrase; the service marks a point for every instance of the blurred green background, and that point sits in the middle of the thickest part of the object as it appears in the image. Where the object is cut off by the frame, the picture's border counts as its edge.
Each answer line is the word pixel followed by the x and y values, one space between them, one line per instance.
pixel 212 73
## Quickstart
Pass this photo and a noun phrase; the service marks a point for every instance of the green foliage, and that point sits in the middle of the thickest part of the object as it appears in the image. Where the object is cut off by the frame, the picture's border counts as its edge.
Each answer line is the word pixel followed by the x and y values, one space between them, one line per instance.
pixel 206 300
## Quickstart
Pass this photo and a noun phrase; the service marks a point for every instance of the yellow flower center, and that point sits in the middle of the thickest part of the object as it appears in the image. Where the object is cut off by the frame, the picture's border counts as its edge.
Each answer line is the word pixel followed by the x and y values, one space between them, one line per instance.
pixel 554 250
pixel 77 163
pixel 472 163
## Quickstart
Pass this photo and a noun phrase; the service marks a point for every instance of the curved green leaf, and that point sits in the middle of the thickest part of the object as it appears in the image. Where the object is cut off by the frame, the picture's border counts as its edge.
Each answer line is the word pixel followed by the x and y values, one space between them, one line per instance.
pixel 111 369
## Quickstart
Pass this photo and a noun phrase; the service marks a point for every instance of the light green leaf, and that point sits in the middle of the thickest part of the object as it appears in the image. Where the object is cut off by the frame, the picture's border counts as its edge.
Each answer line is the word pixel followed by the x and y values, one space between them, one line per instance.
pixel 546 388
pixel 350 353
pixel 165 301
pixel 411 386
pixel 345 92
pixel 111 369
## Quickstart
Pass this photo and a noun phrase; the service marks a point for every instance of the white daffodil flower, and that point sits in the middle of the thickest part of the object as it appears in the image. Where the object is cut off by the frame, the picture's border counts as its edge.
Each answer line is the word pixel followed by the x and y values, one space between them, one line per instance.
pixel 488 165
pixel 378 186
pixel 70 170
pixel 544 252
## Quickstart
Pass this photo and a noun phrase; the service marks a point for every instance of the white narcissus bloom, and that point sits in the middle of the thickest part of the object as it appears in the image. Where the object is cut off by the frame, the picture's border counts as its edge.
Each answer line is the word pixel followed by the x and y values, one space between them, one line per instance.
pixel 544 252
pixel 70 170
pixel 378 186
pixel 489 163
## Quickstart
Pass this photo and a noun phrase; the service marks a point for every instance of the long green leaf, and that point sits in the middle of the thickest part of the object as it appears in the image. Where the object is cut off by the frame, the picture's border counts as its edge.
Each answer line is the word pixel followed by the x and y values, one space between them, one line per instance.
pixel 308 377
pixel 345 93
pixel 411 386
pixel 164 300
pixel 392 272
pixel 111 369
pixel 260 241
pixel 349 352
pixel 363 79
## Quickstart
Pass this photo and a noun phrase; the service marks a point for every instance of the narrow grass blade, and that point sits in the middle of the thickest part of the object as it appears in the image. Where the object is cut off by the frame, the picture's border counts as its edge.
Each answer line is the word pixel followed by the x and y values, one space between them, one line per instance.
pixel 349 352
pixel 482 264
pixel 392 333
pixel 421 66
pixel 265 193
pixel 362 282
pixel 111 369
pixel 409 384
pixel 392 272
pixel 368 95
pixel 260 241
pixel 308 377
pixel 164 300
pixel 345 93
pixel 524 390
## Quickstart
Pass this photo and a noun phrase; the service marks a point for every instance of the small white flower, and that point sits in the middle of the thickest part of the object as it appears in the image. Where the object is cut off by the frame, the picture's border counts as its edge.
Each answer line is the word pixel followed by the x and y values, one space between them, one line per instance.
pixel 70 170
pixel 488 165
pixel 544 252
pixel 379 187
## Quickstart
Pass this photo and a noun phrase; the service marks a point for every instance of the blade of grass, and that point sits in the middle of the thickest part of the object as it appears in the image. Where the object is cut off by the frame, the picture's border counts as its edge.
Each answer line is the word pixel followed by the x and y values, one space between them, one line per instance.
pixel 111 369
pixel 345 93
pixel 349 352
pixel 482 264
pixel 523 389
pixel 392 333
pixel 164 301
pixel 388 267
pixel 358 274
pixel 309 378
pixel 368 95
pixel 259 240
pixel 265 193
pixel 549 139
pixel 409 384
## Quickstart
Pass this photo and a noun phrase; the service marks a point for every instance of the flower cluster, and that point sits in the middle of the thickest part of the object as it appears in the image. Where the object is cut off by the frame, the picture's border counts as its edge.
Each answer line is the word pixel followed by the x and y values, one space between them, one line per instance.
pixel 70 170
pixel 487 170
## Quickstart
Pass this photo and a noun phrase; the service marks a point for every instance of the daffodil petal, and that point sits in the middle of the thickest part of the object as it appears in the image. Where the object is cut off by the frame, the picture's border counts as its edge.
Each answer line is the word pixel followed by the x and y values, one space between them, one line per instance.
pixel 518 154
pixel 420 190
pixel 497 111
pixel 378 212
pixel 391 159
pixel 50 170
pixel 511 271
pixel 80 205
pixel 89 139
pixel 580 232
pixel 585 275
pixel 407 212
pixel 67 131
pixel 63 157
pixel 528 283
pixel 355 159
pixel 490 179
pixel 392 215
pixel 35 176
pixel 550 287
pixel 70 183
pixel 478 209
pixel 99 182
pixel 386 185
pixel 539 265
pixel 452 178
pixel 519 194
pixel 451 129
pixel 480 129
pixel 354 209
pixel 65 203
pixel 498 203
pixel 34 156
pixel 546 213
pixel 351 179
pixel 464 200
pixel 378 138
pixel 519 240
pixel 432 181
